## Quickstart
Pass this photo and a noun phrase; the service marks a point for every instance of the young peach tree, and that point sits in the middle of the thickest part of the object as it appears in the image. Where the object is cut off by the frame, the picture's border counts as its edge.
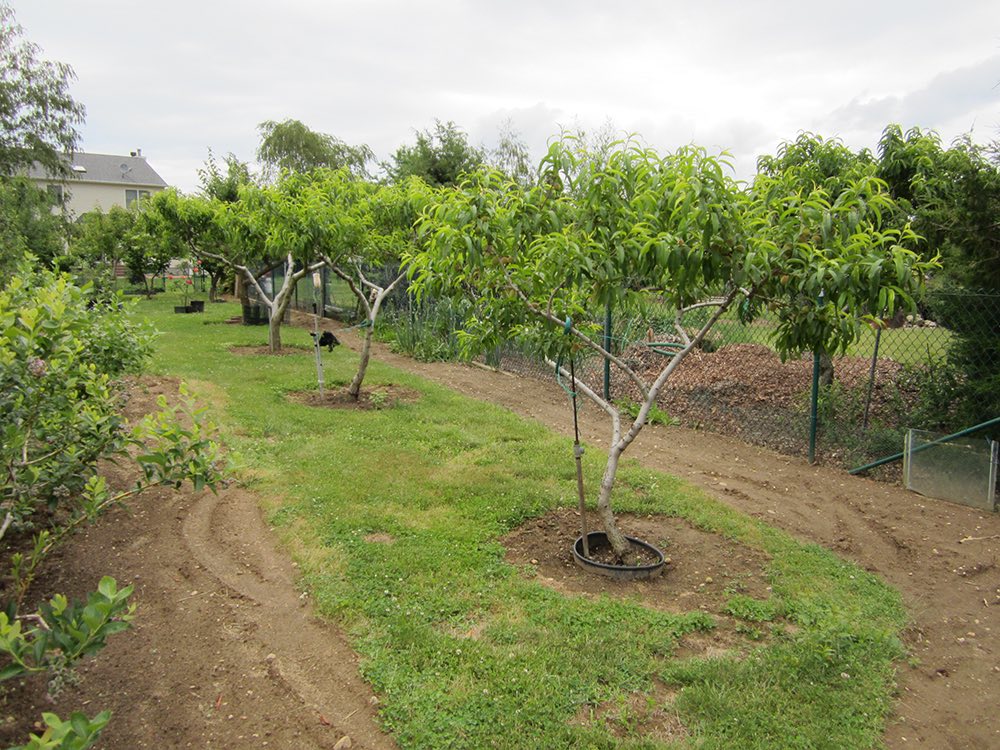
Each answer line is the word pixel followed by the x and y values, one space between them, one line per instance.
pixel 297 225
pixel 634 226
pixel 383 229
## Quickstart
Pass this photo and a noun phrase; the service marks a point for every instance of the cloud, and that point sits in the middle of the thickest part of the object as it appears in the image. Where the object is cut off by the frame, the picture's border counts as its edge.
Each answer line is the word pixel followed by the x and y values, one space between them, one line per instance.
pixel 952 95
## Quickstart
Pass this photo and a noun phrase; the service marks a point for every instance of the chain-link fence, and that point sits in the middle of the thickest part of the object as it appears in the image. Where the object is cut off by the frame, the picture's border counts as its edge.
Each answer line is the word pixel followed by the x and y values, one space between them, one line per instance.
pixel 933 370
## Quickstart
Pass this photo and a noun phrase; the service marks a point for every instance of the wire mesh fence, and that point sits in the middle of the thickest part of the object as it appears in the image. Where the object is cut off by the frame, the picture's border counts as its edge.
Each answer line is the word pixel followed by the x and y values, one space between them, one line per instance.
pixel 934 370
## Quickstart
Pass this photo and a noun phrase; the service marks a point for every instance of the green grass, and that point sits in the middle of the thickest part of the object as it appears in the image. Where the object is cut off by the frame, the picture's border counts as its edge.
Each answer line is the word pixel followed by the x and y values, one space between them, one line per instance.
pixel 446 477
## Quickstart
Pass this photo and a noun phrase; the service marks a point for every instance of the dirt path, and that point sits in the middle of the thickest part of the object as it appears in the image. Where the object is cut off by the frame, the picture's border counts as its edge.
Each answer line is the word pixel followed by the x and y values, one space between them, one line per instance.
pixel 949 693
pixel 225 653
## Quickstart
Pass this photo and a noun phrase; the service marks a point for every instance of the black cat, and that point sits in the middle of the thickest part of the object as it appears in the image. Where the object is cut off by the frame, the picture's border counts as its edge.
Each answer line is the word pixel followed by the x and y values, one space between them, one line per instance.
pixel 327 339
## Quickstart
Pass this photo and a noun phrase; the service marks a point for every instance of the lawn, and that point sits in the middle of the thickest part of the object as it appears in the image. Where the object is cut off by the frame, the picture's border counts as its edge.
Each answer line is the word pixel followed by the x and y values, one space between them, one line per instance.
pixel 446 477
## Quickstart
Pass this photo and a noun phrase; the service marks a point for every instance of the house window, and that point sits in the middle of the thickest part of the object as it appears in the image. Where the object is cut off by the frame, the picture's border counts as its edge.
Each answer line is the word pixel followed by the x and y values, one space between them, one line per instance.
pixel 56 194
pixel 135 196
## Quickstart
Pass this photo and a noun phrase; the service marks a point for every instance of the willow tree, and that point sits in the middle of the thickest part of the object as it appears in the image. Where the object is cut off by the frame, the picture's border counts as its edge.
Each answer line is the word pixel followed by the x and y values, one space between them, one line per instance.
pixel 634 226
pixel 296 225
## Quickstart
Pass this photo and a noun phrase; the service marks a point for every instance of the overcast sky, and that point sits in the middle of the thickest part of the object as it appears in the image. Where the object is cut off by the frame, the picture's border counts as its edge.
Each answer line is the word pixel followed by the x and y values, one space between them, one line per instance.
pixel 176 78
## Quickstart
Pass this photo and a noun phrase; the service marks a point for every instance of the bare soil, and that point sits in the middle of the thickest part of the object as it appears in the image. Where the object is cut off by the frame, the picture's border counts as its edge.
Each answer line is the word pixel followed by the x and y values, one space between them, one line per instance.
pixel 382 396
pixel 700 568
pixel 285 350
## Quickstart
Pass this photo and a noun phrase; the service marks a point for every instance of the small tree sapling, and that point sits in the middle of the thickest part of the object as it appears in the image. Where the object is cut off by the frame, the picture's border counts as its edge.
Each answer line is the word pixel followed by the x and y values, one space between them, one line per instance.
pixel 384 231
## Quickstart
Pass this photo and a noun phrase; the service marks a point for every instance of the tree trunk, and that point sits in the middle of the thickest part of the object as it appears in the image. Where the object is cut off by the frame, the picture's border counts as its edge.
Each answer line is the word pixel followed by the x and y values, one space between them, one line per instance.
pixel 825 370
pixel 242 289
pixel 366 348
pixel 213 288
pixel 278 308
pixel 620 545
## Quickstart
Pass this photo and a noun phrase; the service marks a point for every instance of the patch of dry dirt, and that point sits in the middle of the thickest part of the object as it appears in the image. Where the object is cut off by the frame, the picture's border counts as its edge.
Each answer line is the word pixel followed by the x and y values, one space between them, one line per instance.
pixel 381 396
pixel 948 696
pixel 224 653
pixel 701 566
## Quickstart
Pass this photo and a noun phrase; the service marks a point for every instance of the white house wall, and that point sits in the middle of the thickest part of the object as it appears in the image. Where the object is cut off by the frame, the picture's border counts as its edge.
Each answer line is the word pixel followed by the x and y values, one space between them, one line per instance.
pixel 84 197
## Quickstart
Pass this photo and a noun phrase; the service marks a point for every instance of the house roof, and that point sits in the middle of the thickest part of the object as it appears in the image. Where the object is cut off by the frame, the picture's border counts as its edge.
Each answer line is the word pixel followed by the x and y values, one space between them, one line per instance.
pixel 107 169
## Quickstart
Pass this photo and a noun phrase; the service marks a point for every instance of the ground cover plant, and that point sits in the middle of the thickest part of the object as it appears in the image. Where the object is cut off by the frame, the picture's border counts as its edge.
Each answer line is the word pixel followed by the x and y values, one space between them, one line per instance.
pixel 467 650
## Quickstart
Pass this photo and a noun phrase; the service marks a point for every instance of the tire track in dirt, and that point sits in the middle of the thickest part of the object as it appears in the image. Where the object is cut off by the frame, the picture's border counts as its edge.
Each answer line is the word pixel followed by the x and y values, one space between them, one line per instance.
pixel 223 653
pixel 950 686
pixel 227 536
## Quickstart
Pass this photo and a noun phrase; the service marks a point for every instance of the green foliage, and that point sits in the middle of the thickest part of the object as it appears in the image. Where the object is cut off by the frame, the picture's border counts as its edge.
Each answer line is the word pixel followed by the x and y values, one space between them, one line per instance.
pixel 655 415
pixel 424 331
pixel 752 610
pixel 64 632
pixel 98 242
pixel 76 733
pixel 223 184
pixel 179 445
pixel 38 117
pixel 973 376
pixel 511 156
pixel 28 225
pixel 953 195
pixel 440 156
pixel 59 350
pixel 290 146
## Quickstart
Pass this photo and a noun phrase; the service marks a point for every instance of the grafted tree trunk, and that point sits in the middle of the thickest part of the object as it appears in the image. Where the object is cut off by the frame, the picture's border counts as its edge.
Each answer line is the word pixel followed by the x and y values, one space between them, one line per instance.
pixel 825 369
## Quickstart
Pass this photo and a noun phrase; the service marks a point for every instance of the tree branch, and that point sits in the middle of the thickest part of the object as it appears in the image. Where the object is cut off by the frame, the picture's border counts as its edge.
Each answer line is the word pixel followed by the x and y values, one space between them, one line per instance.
pixel 593 345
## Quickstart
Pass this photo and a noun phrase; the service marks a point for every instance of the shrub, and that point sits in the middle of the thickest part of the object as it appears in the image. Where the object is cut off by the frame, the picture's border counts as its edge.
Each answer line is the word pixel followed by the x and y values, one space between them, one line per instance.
pixel 61 350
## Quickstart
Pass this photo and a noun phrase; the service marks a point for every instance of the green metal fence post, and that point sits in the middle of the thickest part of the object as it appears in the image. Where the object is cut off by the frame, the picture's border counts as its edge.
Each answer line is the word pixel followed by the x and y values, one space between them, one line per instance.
pixel 814 409
pixel 814 401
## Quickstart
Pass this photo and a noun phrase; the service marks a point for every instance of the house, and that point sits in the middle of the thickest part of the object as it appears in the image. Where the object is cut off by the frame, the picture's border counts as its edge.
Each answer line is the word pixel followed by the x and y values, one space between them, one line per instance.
pixel 101 181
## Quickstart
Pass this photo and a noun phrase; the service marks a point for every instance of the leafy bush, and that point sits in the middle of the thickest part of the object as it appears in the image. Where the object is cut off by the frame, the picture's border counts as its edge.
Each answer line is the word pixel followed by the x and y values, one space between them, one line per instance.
pixel 425 332
pixel 974 318
pixel 61 350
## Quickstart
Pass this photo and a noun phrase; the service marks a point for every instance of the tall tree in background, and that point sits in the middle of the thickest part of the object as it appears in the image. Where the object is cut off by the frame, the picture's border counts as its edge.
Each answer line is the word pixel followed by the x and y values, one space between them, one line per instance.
pixel 439 157
pixel 27 224
pixel 38 117
pixel 827 165
pixel 38 120
pixel 221 183
pixel 953 195
pixel 291 146
pixel 511 156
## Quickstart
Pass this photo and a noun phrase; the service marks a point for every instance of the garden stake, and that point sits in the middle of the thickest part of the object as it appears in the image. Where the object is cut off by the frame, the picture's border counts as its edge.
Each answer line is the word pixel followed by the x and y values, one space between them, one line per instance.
pixel 578 455
pixel 319 355
pixel 577 448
